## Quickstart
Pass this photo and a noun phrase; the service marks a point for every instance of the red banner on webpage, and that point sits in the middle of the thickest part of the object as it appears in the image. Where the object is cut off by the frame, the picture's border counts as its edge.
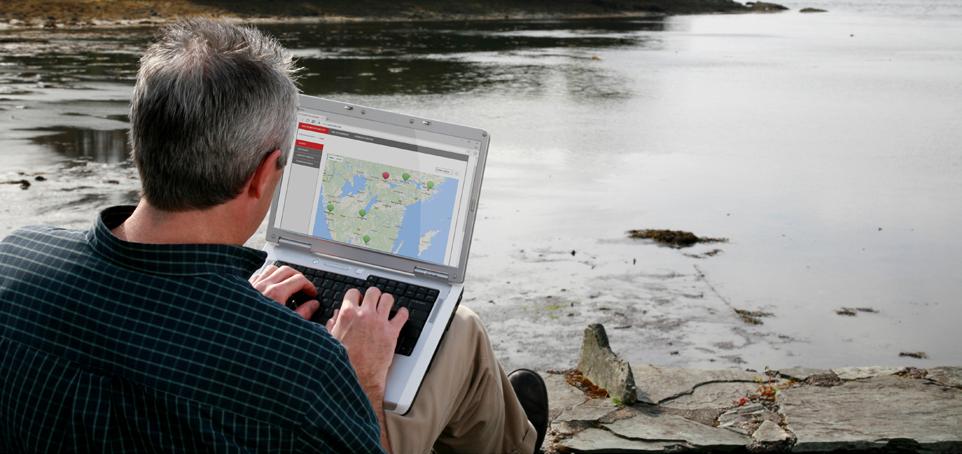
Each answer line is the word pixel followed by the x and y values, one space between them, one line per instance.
pixel 315 128
pixel 311 145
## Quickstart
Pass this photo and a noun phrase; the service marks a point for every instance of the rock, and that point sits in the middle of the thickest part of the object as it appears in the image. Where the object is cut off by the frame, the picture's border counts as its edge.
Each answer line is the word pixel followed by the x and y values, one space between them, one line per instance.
pixel 746 419
pixel 764 7
pixel 590 410
pixel 561 395
pixel 600 440
pixel 817 377
pixel 24 184
pixel 801 373
pixel 874 413
pixel 812 10
pixel 604 368
pixel 770 437
pixel 666 427
pixel 582 416
pixel 913 372
pixel 657 384
pixel 712 395
pixel 946 376
pixel 771 432
pixel 859 373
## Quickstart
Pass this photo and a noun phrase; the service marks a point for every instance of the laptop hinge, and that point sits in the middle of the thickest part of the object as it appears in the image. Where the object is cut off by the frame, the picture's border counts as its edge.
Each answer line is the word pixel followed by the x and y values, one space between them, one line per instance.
pixel 423 272
pixel 299 244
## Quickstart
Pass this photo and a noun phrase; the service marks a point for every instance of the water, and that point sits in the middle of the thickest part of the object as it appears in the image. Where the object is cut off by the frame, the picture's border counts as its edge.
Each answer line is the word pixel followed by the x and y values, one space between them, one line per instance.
pixel 825 146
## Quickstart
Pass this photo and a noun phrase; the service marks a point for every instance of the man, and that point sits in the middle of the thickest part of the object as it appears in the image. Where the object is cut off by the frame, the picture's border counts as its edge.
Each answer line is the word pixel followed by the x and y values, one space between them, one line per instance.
pixel 148 332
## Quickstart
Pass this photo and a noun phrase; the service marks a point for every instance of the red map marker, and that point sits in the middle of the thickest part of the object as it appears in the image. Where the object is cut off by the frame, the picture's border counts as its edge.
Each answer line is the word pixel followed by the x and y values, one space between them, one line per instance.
pixel 386 175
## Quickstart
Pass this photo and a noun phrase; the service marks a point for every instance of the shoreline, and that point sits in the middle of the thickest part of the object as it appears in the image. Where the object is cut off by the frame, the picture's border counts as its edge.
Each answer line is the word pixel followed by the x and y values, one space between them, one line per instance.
pixel 136 23
pixel 94 14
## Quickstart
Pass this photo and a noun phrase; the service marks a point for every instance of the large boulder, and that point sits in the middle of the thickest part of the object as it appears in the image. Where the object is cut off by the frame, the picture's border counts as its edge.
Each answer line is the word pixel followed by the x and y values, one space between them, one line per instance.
pixel 604 368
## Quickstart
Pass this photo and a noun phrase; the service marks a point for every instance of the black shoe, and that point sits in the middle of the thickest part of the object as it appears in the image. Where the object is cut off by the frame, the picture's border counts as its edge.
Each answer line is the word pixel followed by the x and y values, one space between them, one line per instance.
pixel 533 395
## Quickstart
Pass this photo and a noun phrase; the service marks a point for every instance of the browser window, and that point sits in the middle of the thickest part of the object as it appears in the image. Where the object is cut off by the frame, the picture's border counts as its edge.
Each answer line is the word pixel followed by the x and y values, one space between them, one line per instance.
pixel 393 190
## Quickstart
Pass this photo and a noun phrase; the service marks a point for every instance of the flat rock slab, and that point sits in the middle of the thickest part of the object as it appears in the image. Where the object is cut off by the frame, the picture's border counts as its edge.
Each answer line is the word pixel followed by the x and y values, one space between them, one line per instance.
pixel 817 377
pixel 561 395
pixel 657 384
pixel 747 418
pixel 601 441
pixel 664 427
pixel 947 376
pixel 718 396
pixel 860 373
pixel 872 408
pixel 589 411
pixel 802 373
pixel 867 413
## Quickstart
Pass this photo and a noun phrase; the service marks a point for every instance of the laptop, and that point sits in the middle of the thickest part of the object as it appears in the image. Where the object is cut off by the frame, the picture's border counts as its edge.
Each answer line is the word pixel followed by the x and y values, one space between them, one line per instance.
pixel 376 198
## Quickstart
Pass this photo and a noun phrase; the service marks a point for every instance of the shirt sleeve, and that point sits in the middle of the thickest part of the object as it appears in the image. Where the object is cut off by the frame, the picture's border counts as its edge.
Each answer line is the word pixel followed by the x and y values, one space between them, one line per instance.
pixel 339 417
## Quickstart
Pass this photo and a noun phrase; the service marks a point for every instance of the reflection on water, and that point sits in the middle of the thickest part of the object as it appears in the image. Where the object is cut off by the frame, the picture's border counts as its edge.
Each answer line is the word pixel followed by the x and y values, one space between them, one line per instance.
pixel 109 146
pixel 52 58
pixel 79 79
pixel 440 58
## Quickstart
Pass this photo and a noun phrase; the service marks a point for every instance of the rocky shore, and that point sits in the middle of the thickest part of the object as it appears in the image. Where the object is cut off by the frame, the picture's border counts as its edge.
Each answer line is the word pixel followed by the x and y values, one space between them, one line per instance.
pixel 852 409
pixel 102 13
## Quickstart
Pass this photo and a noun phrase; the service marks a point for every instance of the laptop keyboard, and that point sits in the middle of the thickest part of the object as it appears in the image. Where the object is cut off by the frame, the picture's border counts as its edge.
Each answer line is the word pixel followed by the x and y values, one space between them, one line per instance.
pixel 331 288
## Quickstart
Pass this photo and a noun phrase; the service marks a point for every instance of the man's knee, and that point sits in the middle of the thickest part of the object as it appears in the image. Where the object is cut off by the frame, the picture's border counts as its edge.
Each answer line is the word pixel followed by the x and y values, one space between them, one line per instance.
pixel 467 325
pixel 467 334
pixel 464 316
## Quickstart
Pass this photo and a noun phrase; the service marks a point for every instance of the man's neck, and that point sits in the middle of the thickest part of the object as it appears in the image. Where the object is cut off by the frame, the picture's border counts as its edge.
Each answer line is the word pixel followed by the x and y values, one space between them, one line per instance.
pixel 153 226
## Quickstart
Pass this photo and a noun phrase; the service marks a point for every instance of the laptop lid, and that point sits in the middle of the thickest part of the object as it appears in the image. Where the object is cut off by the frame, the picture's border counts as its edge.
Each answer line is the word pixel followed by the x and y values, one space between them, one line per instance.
pixel 380 188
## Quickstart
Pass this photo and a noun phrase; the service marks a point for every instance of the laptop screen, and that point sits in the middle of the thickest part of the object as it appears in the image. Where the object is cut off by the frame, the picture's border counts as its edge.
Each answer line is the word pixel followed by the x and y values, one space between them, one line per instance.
pixel 381 187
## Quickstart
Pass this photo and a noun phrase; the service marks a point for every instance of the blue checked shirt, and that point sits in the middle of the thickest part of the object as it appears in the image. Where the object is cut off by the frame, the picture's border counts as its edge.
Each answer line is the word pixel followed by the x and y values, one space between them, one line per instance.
pixel 110 346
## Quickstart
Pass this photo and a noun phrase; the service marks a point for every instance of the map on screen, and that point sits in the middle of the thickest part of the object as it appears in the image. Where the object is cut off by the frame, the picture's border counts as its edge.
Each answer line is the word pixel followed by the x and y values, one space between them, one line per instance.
pixel 386 208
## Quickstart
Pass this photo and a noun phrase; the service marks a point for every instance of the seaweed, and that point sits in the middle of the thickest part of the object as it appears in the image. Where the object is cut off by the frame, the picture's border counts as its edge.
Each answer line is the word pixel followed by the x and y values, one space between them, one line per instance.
pixel 752 317
pixel 575 378
pixel 672 238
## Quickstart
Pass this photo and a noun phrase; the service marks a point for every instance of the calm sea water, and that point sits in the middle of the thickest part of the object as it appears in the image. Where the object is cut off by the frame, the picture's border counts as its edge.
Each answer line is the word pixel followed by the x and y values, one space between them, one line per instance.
pixel 826 147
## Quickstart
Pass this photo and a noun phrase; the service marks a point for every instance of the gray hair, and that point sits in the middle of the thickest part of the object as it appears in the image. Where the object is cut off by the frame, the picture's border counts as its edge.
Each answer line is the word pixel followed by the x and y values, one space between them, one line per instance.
pixel 211 101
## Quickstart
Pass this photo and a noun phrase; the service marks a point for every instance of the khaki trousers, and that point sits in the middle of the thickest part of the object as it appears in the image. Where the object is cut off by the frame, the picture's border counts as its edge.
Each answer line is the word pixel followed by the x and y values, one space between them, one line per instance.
pixel 466 404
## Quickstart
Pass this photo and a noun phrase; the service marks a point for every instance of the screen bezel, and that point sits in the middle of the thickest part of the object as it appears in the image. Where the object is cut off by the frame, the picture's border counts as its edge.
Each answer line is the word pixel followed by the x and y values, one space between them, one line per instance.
pixel 366 256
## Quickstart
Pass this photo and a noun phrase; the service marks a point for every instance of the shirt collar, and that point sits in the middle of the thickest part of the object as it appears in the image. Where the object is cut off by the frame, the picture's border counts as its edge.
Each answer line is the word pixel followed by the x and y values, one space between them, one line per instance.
pixel 170 259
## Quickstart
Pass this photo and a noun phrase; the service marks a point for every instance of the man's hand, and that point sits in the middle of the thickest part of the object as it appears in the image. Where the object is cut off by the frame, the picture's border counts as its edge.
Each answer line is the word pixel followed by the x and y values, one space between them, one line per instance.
pixel 279 284
pixel 365 330
pixel 368 335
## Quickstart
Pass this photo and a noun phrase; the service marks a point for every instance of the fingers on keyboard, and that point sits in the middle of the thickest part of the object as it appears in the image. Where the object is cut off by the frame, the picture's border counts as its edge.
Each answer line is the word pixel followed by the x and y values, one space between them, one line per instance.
pixel 332 287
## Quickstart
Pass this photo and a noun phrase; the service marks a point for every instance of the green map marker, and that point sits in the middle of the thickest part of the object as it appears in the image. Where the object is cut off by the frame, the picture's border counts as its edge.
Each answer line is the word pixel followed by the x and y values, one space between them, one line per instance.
pixel 362 212
pixel 366 239
pixel 330 207
pixel 430 185
pixel 406 176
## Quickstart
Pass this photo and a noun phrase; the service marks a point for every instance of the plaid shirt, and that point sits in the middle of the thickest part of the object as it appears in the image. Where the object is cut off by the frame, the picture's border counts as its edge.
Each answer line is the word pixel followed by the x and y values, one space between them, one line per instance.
pixel 107 345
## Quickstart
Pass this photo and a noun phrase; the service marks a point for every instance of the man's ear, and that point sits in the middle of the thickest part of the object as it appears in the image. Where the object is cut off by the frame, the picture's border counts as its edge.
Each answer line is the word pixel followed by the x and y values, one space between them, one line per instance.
pixel 260 183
